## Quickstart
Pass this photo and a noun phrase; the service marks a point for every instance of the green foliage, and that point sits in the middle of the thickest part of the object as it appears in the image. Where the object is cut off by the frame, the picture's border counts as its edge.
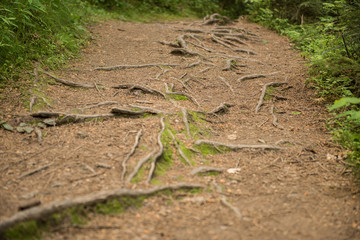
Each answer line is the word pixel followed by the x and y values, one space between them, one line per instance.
pixel 328 34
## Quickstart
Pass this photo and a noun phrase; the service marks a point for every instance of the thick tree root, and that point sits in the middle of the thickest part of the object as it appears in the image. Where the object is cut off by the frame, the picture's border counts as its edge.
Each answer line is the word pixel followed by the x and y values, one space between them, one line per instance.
pixel 206 170
pixel 64 118
pixel 149 110
pixel 253 76
pixel 231 48
pixel 137 138
pixel 158 154
pixel 263 92
pixel 216 19
pixel 127 112
pixel 105 103
pixel 69 83
pixel 221 109
pixel 44 211
pixel 120 67
pixel 179 149
pixel 133 87
pixel 236 147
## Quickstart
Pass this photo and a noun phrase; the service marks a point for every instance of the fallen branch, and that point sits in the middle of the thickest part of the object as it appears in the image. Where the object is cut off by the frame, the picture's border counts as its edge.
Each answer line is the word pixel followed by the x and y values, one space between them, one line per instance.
pixel 133 87
pixel 206 170
pixel 158 154
pixel 35 171
pixel 179 149
pixel 247 77
pixel 119 67
pixel 69 83
pixel 222 108
pixel 227 84
pixel 261 99
pixel 185 120
pixel 137 138
pixel 236 147
pixel 41 212
pixel 275 122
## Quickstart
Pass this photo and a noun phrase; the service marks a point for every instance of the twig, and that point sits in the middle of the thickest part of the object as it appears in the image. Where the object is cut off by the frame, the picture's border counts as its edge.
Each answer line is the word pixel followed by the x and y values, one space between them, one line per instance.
pixel 179 149
pixel 158 154
pixel 119 67
pixel 246 77
pixel 227 84
pixel 137 138
pixel 274 122
pixel 206 170
pixel 261 99
pixel 90 199
pixel 69 83
pixel 236 147
pixel 35 171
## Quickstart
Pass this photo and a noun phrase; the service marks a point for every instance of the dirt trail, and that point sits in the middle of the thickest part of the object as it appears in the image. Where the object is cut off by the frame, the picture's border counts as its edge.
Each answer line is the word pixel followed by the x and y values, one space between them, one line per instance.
pixel 301 191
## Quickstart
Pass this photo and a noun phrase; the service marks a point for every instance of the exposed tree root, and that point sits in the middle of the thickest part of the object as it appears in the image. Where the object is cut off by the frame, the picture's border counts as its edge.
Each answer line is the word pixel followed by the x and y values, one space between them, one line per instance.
pixel 181 94
pixel 231 64
pixel 162 73
pixel 234 39
pixel 64 118
pixel 222 108
pixel 139 165
pixel 216 19
pixel 158 154
pixel 253 76
pixel 227 84
pixel 127 112
pixel 237 57
pixel 185 120
pixel 119 67
pixel 206 170
pixel 231 48
pixel 44 211
pixel 186 52
pixel 133 87
pixel 236 147
pixel 32 101
pixel 205 70
pixel 238 35
pixel 263 92
pixel 38 135
pixel 225 202
pixel 137 138
pixel 69 83
pixel 105 103
pixel 275 122
pixel 202 47
pixel 194 64
pixel 149 110
pixel 179 149
pixel 169 44
pixel 35 171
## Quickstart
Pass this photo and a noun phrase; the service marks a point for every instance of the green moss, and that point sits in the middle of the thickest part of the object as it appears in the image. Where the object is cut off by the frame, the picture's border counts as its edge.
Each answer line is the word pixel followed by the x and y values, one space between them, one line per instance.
pixel 25 231
pixel 138 176
pixel 209 174
pixel 178 97
pixel 207 149
pixel 269 91
pixel 118 206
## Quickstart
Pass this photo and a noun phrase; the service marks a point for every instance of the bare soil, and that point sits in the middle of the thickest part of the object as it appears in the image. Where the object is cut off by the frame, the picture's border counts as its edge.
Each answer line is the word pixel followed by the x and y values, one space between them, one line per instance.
pixel 302 191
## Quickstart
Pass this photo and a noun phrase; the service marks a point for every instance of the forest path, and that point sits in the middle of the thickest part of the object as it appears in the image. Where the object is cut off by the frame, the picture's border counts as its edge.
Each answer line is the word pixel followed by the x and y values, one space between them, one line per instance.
pixel 288 182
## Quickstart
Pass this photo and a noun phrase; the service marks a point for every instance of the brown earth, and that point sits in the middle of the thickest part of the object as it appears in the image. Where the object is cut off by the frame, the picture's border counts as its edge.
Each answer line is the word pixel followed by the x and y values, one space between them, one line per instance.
pixel 302 191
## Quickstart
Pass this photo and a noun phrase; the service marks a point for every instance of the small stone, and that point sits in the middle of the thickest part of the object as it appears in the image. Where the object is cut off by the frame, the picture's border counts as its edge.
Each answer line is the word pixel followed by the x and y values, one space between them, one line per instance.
pixel 233 170
pixel 232 137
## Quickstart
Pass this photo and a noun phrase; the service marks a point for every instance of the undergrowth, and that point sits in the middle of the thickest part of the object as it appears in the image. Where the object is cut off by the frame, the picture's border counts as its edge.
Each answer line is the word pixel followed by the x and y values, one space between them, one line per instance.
pixel 328 35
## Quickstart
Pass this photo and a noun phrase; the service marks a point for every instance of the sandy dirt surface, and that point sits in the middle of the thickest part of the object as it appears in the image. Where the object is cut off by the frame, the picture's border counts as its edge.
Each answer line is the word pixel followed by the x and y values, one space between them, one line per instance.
pixel 300 191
